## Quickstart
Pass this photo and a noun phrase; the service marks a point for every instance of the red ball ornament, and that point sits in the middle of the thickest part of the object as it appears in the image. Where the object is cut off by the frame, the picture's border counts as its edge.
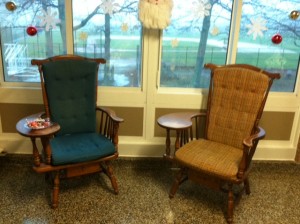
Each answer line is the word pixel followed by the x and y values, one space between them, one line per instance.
pixel 276 39
pixel 31 31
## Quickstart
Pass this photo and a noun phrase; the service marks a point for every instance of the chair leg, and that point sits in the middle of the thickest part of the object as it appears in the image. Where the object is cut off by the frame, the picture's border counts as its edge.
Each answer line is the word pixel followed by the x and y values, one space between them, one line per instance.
pixel 178 180
pixel 230 204
pixel 247 186
pixel 113 179
pixel 55 193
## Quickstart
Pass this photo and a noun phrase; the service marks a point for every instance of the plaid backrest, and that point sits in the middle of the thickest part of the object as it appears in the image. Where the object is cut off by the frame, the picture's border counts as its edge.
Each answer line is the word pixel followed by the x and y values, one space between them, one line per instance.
pixel 237 98
pixel 71 92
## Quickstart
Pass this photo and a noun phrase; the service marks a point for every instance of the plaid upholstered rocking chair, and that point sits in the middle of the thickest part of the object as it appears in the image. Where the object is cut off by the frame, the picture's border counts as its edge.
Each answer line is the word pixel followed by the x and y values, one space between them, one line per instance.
pixel 87 140
pixel 221 159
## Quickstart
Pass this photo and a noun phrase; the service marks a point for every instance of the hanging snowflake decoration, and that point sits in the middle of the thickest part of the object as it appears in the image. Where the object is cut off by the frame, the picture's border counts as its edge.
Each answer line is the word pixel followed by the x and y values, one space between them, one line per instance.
pixel 257 27
pixel 109 7
pixel 201 8
pixel 48 19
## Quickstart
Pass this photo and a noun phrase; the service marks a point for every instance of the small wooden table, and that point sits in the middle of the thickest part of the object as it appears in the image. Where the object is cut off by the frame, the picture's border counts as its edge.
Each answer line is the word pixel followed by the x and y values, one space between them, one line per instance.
pixel 44 134
pixel 179 122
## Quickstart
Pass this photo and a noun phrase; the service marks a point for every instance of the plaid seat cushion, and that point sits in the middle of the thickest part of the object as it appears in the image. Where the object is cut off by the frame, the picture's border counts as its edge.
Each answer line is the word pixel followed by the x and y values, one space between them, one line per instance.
pixel 211 158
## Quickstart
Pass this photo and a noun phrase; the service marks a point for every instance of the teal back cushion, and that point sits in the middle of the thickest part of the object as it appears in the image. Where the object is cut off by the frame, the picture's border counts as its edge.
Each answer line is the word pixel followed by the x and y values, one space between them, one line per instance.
pixel 71 90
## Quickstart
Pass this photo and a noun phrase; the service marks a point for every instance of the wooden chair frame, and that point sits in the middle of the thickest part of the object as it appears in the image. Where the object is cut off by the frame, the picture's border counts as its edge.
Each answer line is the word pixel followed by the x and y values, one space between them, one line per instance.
pixel 108 127
pixel 249 143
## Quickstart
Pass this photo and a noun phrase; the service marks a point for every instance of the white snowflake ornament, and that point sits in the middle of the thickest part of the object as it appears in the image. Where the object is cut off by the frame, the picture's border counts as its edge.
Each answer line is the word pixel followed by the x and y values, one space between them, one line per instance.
pixel 257 27
pixel 109 7
pixel 48 19
pixel 201 8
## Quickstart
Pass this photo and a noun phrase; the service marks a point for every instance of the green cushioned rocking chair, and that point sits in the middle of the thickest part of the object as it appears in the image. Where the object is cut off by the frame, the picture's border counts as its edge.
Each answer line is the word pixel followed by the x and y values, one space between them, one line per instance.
pixel 88 137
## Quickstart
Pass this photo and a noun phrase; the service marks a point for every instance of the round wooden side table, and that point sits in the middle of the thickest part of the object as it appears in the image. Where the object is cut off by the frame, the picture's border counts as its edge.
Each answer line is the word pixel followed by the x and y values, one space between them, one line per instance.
pixel 43 134
pixel 181 123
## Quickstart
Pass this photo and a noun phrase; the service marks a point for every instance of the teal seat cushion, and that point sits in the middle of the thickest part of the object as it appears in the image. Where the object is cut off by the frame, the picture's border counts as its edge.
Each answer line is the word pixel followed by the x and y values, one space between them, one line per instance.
pixel 80 147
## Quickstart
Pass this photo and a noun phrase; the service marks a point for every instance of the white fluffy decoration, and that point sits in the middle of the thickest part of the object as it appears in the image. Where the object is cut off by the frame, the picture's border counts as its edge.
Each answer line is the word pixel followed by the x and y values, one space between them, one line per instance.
pixel 155 14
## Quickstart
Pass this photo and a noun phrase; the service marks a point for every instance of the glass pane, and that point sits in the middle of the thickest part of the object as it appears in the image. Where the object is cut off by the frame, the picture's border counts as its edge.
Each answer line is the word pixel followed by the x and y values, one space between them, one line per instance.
pixel 30 29
pixel 198 34
pixel 269 39
pixel 111 30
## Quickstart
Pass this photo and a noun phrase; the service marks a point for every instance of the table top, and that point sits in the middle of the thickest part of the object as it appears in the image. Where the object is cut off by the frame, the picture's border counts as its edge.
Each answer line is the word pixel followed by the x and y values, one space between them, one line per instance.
pixel 181 120
pixel 22 128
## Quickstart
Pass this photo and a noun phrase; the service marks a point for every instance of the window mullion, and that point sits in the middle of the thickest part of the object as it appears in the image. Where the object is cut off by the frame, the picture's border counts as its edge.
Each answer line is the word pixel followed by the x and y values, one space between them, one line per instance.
pixel 234 31
pixel 69 27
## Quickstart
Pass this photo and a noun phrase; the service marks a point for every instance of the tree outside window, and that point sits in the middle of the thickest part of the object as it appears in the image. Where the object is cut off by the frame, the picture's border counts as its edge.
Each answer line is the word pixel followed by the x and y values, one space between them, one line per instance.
pixel 30 29
pixel 262 22
pixel 110 29
pixel 199 34
pixel 107 28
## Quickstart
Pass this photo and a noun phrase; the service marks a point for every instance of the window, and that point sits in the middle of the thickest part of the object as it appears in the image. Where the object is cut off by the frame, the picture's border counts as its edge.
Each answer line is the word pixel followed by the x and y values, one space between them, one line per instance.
pixel 31 29
pixel 270 39
pixel 198 34
pixel 110 29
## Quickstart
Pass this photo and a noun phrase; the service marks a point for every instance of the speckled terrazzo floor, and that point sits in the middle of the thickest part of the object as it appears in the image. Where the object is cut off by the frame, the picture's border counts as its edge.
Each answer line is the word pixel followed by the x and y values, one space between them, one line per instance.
pixel 143 197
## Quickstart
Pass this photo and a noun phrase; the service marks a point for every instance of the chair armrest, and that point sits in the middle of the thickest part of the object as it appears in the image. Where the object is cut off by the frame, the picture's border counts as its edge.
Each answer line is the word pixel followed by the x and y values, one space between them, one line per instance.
pixel 250 144
pixel 109 124
pixel 249 141
pixel 110 113
pixel 200 114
